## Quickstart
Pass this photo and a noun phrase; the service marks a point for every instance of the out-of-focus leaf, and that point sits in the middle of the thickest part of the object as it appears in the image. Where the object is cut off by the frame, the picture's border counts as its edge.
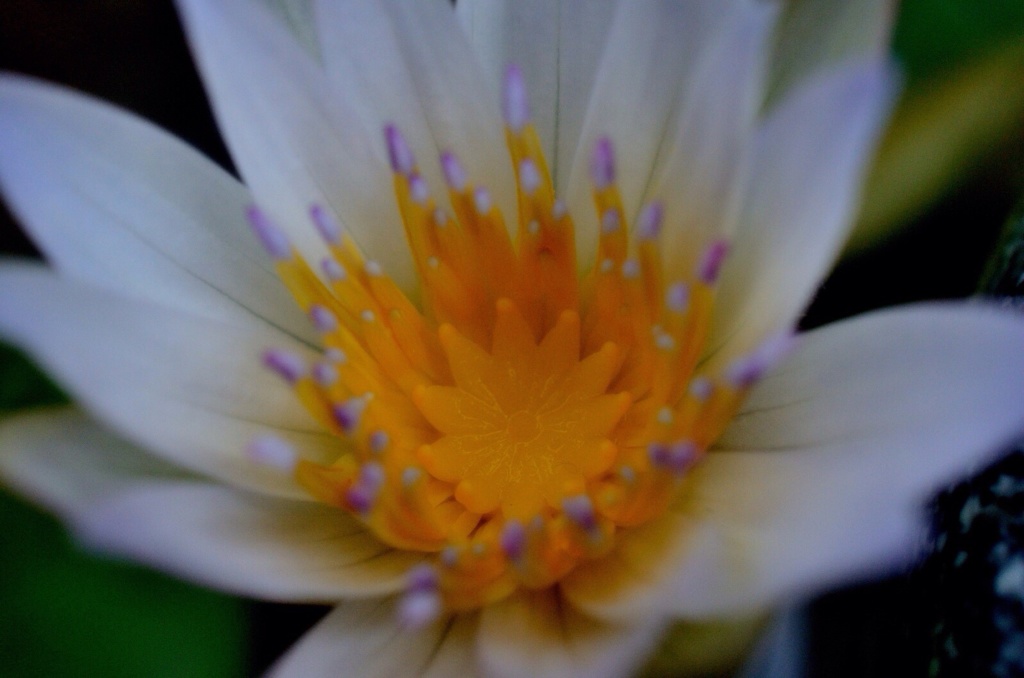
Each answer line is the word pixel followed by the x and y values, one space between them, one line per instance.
pixel 70 614
pixel 940 133
pixel 704 649
pixel 937 35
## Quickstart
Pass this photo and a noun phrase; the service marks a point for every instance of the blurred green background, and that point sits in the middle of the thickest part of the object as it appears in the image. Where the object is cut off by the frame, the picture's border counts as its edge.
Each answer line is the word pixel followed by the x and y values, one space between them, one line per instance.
pixel 949 171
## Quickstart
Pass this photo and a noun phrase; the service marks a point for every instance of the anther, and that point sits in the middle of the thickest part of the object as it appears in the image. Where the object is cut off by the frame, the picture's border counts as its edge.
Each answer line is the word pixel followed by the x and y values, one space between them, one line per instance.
pixel 272 452
pixel 367 315
pixel 513 540
pixel 335 355
pixel 440 218
pixel 363 491
pixel 418 189
pixel 285 363
pixel 454 173
pixel 700 388
pixel 332 270
pixel 410 476
pixel 533 228
pixel 346 414
pixel 323 320
pixel 401 157
pixel 559 210
pixel 710 265
pixel 602 164
pixel 747 370
pixel 373 269
pixel 609 221
pixel 421 603
pixel 607 266
pixel 326 225
pixel 648 225
pixel 515 104
pixel 379 441
pixel 580 510
pixel 324 374
pixel 482 201
pixel 273 239
pixel 630 269
pixel 665 416
pixel 529 177
pixel 676 457
pixel 677 297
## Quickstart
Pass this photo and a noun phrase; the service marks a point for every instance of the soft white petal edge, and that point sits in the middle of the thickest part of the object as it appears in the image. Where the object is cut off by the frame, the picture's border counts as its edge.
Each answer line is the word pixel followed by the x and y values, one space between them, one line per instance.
pixel 296 141
pixel 538 634
pixel 117 202
pixel 815 33
pixel 120 501
pixel 189 388
pixel 807 165
pixel 824 475
pixel 363 639
pixel 558 46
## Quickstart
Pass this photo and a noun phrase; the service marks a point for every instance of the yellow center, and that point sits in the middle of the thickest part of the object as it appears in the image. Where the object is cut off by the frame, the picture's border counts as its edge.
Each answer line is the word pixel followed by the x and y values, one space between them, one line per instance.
pixel 511 423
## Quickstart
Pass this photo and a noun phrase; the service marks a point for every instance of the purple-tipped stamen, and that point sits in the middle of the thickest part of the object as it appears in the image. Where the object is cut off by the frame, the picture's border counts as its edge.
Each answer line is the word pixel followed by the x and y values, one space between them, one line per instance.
pixel 416 609
pixel 399 154
pixel 710 265
pixel 324 374
pixel 418 189
pixel 482 200
pixel 379 441
pixel 454 173
pixel 580 510
pixel 676 457
pixel 648 226
pixel 701 388
pixel 750 369
pixel 602 164
pixel 677 297
pixel 529 176
pixel 272 452
pixel 289 366
pixel 515 103
pixel 326 225
pixel 273 239
pixel 610 221
pixel 324 320
pixel 332 270
pixel 363 491
pixel 347 414
pixel 513 540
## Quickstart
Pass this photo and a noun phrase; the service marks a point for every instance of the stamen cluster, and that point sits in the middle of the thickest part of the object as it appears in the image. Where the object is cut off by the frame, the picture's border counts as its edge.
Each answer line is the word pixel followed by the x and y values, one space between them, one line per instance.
pixel 514 419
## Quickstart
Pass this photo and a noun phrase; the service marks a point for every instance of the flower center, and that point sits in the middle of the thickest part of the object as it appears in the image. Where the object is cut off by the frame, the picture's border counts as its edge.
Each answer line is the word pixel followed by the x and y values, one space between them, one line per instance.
pixel 519 416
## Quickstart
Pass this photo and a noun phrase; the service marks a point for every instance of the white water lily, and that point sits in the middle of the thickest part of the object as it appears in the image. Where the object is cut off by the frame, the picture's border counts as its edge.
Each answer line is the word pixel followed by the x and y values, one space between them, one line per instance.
pixel 552 466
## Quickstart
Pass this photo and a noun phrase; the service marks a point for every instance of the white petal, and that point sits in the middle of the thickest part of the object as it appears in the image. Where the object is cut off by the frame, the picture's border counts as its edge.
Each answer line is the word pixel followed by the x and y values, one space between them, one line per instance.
pixel 703 151
pixel 824 476
pixel 295 142
pixel 188 388
pixel 652 49
pixel 300 18
pixel 807 167
pixel 64 460
pixel 817 33
pixel 363 59
pixel 538 634
pixel 121 501
pixel 362 639
pixel 246 544
pixel 116 202
pixel 461 108
pixel 558 45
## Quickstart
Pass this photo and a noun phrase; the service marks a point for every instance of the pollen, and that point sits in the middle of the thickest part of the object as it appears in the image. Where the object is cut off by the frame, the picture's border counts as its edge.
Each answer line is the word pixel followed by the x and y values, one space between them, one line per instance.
pixel 524 409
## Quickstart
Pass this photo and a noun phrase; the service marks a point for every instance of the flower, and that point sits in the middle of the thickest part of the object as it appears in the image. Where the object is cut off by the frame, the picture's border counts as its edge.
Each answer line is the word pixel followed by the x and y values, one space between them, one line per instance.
pixel 492 463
